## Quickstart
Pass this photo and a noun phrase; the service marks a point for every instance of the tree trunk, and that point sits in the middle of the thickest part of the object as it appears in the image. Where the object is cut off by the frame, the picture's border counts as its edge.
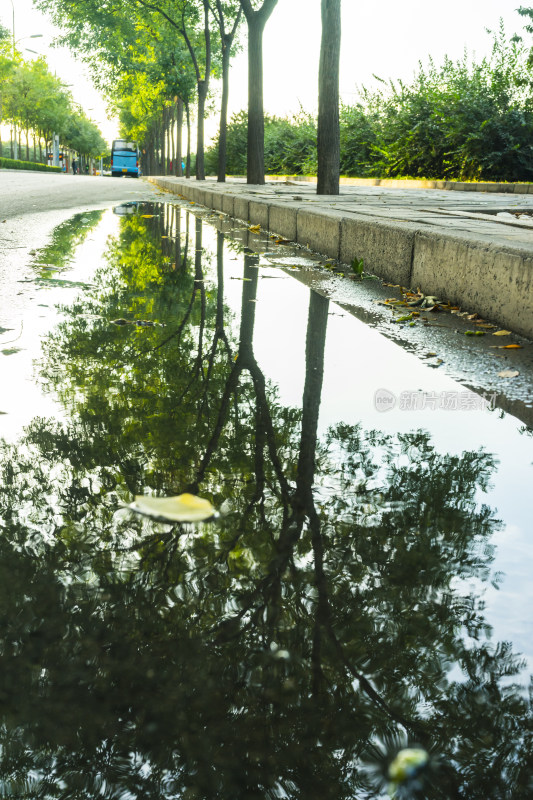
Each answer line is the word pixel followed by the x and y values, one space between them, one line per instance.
pixel 223 132
pixel 255 169
pixel 170 143
pixel 179 145
pixel 172 138
pixel 328 132
pixel 188 163
pixel 256 21
pixel 200 161
pixel 149 159
pixel 162 140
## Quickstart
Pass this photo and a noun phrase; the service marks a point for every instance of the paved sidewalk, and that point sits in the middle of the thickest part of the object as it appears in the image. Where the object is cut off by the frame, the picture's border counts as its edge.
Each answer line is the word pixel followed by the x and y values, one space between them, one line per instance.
pixel 473 249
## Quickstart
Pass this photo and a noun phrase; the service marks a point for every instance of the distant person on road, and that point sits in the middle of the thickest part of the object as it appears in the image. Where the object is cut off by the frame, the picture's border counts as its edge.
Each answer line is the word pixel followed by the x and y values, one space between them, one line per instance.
pixel 74 166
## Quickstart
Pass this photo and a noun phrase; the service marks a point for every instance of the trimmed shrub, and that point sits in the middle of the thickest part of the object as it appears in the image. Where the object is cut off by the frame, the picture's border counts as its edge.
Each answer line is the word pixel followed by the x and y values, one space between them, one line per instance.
pixel 11 163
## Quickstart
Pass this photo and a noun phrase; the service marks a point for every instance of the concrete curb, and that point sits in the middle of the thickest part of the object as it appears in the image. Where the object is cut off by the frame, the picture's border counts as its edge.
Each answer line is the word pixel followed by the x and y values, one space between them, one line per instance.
pixel 492 278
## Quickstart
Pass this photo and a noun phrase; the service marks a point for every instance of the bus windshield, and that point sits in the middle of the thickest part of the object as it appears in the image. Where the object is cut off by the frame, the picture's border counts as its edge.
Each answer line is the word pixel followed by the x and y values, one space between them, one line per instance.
pixel 122 144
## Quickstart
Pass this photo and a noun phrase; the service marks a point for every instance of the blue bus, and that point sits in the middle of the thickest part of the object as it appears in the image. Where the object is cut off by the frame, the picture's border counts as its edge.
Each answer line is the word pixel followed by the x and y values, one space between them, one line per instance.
pixel 124 158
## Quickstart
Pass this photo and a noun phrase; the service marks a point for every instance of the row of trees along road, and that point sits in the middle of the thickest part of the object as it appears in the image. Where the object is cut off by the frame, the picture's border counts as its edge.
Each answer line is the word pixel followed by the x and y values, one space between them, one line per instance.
pixel 38 104
pixel 154 59
pixel 470 119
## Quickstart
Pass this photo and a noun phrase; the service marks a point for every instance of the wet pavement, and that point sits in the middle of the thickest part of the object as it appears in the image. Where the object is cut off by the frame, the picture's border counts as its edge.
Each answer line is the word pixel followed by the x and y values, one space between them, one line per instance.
pixel 25 192
pixel 366 586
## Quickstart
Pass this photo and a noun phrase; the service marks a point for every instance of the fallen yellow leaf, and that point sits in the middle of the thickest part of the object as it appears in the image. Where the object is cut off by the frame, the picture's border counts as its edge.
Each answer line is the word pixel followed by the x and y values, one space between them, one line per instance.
pixel 181 508
pixel 501 333
pixel 254 228
pixel 508 373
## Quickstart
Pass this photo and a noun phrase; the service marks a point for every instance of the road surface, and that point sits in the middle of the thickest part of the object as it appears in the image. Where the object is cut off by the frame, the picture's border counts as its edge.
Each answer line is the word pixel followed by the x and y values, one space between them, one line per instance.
pixel 33 192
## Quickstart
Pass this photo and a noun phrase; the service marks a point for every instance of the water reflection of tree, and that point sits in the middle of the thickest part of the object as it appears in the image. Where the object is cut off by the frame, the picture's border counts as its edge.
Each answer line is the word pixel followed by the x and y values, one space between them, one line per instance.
pixel 57 254
pixel 266 653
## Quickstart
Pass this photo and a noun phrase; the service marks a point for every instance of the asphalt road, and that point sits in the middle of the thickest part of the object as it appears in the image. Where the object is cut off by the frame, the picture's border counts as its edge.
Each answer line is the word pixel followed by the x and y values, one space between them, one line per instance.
pixel 34 192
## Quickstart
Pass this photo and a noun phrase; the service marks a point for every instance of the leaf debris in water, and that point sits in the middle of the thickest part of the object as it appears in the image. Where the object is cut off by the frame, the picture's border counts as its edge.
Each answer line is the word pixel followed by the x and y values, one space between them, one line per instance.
pixel 181 508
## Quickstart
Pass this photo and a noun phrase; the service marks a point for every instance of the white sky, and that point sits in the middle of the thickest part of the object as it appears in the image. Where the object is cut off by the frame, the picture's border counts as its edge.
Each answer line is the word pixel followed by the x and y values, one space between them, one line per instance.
pixel 388 38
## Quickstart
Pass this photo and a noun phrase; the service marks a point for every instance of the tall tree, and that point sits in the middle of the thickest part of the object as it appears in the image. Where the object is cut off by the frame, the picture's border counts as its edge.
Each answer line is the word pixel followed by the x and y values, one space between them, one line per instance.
pixel 185 16
pixel 256 19
pixel 328 136
pixel 129 43
pixel 225 12
pixel 202 82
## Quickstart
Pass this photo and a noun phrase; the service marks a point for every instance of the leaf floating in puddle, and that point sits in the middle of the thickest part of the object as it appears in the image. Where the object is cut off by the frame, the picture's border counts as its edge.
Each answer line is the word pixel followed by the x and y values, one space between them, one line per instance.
pixel 254 228
pixel 147 216
pixel 181 508
pixel 508 373
pixel 501 333
pixel 474 333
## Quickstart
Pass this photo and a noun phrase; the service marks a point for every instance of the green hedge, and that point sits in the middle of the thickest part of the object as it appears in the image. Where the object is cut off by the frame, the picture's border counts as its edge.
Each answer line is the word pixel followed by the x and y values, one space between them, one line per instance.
pixel 11 163
pixel 465 120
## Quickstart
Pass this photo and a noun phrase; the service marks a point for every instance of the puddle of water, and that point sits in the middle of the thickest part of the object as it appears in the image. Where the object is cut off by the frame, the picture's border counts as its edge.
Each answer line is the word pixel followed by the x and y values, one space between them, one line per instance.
pixel 369 588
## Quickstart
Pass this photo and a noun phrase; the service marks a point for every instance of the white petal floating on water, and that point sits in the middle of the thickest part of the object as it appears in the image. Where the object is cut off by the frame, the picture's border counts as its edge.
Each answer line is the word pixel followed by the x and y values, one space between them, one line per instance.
pixel 181 508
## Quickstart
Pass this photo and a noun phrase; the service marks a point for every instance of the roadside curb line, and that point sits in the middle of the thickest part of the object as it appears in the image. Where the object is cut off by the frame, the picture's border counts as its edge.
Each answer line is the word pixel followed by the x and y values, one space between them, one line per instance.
pixel 419 183
pixel 492 279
